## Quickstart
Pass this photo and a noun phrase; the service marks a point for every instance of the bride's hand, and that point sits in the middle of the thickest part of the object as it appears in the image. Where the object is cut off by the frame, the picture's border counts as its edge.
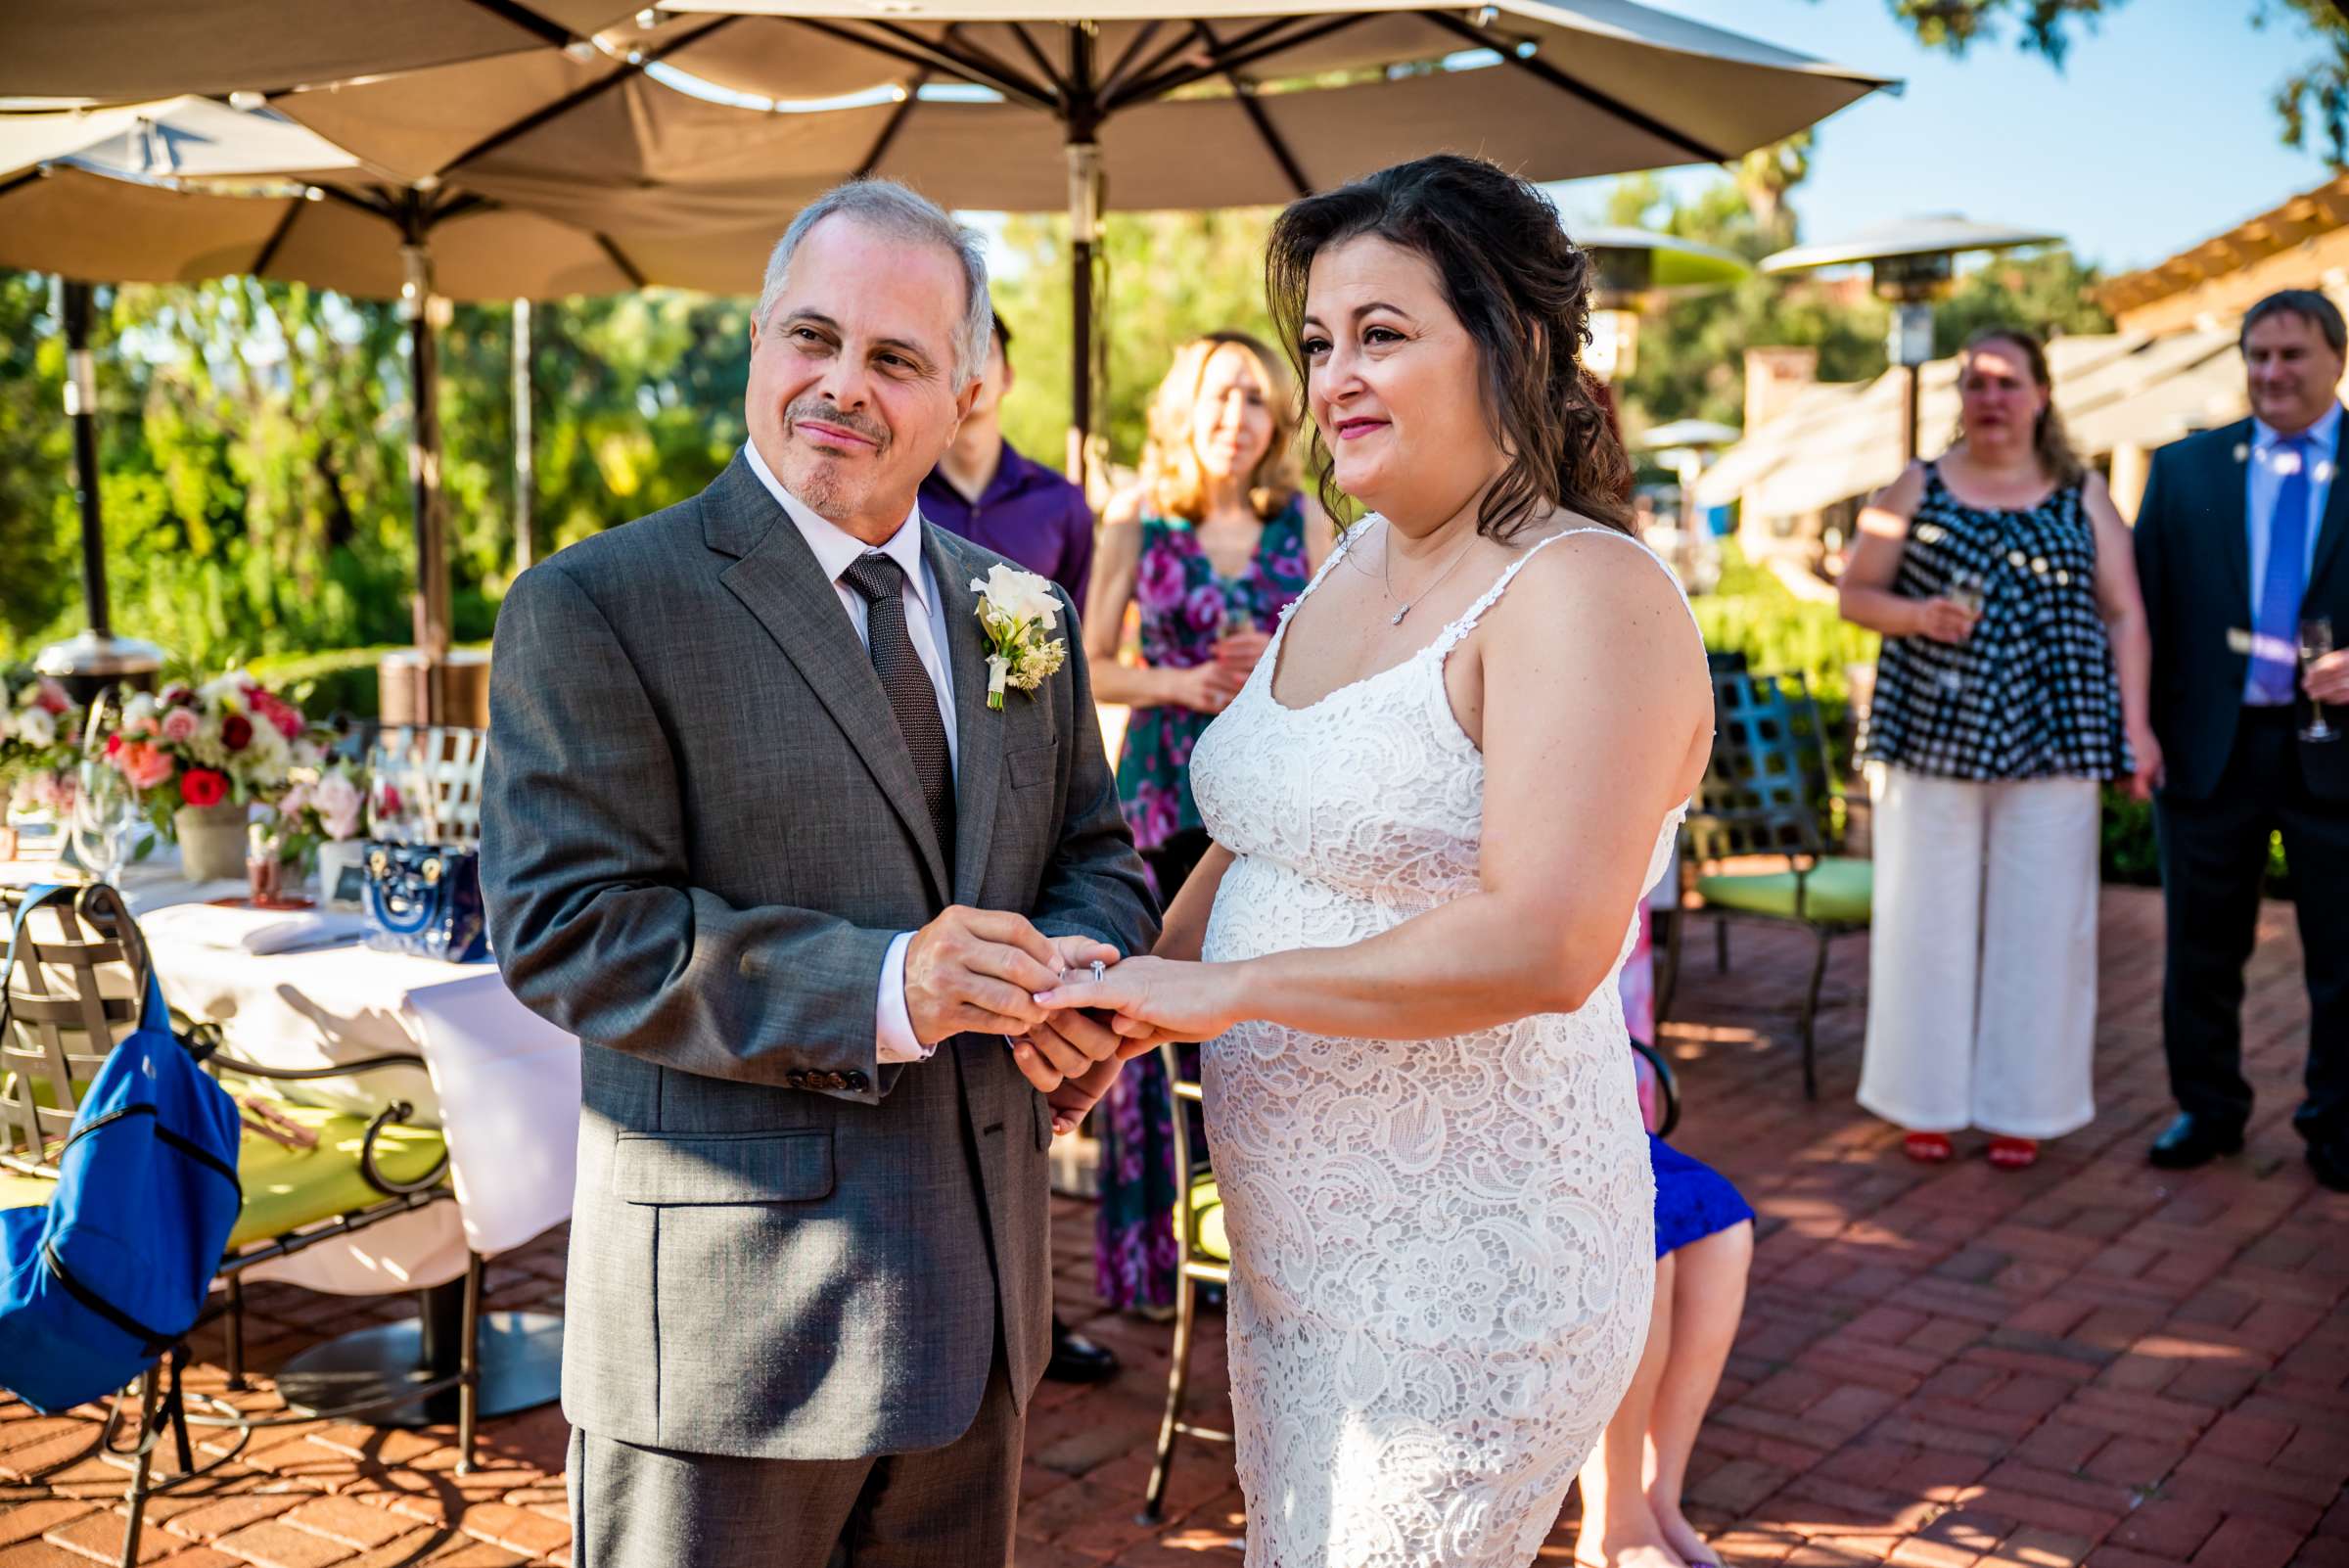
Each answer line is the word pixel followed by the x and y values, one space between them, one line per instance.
pixel 1157 1000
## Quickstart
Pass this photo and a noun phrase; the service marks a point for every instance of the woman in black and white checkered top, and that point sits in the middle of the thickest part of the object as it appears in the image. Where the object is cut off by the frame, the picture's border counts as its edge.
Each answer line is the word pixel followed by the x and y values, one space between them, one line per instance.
pixel 2012 683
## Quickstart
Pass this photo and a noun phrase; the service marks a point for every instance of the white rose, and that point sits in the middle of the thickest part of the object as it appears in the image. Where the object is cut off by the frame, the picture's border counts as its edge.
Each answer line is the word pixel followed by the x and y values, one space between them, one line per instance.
pixel 337 801
pixel 142 705
pixel 36 726
pixel 1021 595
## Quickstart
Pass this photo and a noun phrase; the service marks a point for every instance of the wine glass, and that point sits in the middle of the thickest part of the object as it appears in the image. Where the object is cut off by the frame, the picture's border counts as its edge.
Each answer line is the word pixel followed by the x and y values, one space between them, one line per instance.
pixel 106 812
pixel 1965 590
pixel 2316 641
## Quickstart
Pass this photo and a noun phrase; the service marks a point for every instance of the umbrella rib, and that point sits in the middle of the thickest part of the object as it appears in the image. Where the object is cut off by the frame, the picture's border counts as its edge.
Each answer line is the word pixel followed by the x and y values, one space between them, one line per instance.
pixel 1132 50
pixel 632 67
pixel 627 268
pixel 537 27
pixel 974 60
pixel 1543 72
pixel 1257 116
pixel 1245 50
pixel 890 127
pixel 1019 30
pixel 928 55
pixel 1145 71
pixel 277 237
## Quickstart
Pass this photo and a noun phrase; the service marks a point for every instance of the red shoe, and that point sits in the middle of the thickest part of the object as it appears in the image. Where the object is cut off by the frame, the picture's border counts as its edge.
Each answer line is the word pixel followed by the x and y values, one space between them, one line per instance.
pixel 2013 1154
pixel 1927 1148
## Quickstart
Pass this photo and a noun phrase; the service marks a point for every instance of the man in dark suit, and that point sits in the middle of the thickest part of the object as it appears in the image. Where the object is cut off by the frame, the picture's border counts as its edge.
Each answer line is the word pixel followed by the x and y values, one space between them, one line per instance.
pixel 2238 545
pixel 751 829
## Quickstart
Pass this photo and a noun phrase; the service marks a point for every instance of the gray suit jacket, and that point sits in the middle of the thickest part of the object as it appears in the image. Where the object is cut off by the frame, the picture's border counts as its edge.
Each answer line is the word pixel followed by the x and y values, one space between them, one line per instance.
pixel 700 831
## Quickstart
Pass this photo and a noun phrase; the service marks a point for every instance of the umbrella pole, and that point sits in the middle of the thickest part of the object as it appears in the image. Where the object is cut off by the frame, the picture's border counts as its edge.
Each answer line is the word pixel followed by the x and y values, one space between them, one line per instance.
pixel 82 410
pixel 526 472
pixel 423 474
pixel 1085 235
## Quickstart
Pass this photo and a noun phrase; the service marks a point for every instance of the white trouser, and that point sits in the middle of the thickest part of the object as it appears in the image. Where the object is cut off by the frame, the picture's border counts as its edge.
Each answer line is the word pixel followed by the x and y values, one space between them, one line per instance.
pixel 1982 962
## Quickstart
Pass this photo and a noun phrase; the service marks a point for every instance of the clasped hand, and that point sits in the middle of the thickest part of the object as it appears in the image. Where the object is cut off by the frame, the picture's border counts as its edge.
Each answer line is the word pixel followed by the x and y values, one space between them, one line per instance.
pixel 990 971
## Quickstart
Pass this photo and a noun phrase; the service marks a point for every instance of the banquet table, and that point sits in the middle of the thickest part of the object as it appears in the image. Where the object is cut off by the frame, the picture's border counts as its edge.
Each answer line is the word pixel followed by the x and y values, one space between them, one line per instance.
pixel 502 1084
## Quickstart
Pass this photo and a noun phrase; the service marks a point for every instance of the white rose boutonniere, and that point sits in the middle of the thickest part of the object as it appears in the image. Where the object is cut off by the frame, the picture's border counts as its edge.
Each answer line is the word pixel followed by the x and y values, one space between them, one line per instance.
pixel 1017 611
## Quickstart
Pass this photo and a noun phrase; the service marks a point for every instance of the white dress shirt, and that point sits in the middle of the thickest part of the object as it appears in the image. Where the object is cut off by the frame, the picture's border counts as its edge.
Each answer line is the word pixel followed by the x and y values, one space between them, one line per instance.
pixel 836 550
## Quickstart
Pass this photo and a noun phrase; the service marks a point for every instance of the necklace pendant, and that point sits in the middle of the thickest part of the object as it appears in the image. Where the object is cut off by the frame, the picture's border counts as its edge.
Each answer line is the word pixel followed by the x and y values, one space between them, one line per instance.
pixel 1397 619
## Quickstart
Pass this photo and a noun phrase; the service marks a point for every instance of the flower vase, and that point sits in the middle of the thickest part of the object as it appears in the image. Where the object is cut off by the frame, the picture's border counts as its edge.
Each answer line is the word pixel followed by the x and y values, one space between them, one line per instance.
pixel 338 857
pixel 211 842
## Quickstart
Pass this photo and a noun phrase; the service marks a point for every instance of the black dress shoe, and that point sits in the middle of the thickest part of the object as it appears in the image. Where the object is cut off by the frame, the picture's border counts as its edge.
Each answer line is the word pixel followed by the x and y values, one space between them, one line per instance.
pixel 2330 1162
pixel 1078 1360
pixel 2193 1141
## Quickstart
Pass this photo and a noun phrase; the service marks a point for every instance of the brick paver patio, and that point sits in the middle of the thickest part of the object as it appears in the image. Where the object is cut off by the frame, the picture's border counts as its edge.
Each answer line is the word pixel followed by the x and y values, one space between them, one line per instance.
pixel 2089 1363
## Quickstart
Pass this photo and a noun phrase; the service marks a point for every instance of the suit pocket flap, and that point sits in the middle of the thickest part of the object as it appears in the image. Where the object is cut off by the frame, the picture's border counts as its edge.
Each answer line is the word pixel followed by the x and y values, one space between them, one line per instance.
pixel 689 1168
pixel 1034 765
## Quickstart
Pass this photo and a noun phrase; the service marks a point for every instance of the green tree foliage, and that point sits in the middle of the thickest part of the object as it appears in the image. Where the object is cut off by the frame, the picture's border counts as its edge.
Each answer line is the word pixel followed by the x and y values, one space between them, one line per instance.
pixel 2312 101
pixel 36 563
pixel 1171 276
pixel 1691 356
pixel 255 454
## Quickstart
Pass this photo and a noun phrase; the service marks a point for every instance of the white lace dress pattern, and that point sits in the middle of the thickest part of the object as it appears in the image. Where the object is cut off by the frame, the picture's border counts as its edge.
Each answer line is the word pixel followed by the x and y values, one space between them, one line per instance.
pixel 1443 1251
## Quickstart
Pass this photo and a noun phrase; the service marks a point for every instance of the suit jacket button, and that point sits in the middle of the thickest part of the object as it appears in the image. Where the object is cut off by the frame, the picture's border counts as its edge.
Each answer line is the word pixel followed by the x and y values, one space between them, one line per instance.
pixel 830 1080
pixel 795 1079
pixel 856 1080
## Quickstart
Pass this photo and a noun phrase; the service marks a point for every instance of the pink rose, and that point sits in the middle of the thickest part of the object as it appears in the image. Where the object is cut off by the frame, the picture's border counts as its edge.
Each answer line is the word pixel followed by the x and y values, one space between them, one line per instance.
pixel 179 725
pixel 53 698
pixel 143 764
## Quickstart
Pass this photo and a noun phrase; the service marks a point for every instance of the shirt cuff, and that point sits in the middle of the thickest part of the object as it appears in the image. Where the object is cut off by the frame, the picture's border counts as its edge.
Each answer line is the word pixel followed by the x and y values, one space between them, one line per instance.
pixel 893 1032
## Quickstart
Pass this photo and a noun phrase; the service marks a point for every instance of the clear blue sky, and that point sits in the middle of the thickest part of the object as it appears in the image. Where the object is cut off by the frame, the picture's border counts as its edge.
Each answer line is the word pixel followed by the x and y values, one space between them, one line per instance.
pixel 2155 135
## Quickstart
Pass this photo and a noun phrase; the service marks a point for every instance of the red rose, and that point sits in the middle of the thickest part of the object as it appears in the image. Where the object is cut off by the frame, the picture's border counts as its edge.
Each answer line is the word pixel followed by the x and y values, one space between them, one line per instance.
pixel 275 709
pixel 201 786
pixel 236 732
pixel 114 743
pixel 175 695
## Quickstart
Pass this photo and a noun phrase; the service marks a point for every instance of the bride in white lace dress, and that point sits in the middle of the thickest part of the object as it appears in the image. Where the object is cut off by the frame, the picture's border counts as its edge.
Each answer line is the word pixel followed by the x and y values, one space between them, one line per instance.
pixel 1435 805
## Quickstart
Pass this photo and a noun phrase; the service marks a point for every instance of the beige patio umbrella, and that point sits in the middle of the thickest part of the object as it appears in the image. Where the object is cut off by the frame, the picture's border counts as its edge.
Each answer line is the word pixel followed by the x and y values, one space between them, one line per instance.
pixel 137 51
pixel 1239 102
pixel 146 199
pixel 1020 108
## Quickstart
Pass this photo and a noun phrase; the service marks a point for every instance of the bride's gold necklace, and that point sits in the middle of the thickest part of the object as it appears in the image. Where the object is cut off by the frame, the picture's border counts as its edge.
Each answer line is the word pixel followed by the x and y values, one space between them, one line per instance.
pixel 1386 575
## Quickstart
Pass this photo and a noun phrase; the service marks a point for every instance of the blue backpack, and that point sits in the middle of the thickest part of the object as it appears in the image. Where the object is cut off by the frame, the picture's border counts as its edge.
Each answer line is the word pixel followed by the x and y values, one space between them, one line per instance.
pixel 99 1286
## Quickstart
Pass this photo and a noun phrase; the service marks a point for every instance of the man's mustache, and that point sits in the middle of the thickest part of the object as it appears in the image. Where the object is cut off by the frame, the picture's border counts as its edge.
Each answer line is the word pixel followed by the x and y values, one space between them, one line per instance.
pixel 826 413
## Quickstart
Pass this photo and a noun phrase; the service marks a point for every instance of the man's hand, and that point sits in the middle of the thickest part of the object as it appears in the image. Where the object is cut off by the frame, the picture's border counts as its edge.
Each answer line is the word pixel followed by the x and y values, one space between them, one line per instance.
pixel 977 971
pixel 2327 678
pixel 1064 1047
pixel 1077 1095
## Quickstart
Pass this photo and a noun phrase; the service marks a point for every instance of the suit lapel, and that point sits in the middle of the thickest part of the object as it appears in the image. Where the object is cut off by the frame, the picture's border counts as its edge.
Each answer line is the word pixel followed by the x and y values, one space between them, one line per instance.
pixel 2335 521
pixel 779 581
pixel 2232 515
pixel 979 731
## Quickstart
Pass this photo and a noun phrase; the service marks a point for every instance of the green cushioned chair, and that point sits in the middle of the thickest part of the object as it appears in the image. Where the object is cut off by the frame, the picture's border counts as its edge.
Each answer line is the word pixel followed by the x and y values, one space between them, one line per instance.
pixel 1761 840
pixel 309 1174
pixel 1203 1256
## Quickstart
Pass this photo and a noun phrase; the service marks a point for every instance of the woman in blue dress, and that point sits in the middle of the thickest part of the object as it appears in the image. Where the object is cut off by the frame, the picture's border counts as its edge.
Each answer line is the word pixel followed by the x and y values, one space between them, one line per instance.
pixel 1632 1483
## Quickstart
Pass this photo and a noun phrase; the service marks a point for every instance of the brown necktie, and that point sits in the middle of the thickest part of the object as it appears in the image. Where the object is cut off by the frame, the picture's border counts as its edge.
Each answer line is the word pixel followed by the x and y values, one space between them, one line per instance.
pixel 911 696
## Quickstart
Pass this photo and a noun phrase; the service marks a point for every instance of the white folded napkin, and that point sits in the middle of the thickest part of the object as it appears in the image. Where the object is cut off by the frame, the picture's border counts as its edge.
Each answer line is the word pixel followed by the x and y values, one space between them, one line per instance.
pixel 254 930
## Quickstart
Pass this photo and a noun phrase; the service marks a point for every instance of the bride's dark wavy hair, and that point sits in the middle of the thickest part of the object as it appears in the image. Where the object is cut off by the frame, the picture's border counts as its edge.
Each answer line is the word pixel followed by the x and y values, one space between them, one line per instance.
pixel 1523 291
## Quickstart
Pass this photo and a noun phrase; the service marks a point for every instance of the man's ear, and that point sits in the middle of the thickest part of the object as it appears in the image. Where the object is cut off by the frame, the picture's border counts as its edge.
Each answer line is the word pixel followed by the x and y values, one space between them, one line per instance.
pixel 754 334
pixel 965 400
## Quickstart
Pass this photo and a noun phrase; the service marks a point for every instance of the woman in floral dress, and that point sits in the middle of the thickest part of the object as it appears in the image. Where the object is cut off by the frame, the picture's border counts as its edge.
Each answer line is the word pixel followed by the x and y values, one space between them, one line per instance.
pixel 1212 545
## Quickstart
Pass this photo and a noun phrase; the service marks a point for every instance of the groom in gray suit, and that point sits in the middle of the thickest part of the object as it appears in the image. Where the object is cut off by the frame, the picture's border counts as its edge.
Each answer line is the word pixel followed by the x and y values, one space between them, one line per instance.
pixel 750 830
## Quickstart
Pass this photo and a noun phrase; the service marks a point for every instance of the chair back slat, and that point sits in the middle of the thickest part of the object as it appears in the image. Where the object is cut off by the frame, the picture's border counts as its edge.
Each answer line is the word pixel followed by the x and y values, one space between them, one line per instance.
pixel 1767 787
pixel 434 772
pixel 71 1000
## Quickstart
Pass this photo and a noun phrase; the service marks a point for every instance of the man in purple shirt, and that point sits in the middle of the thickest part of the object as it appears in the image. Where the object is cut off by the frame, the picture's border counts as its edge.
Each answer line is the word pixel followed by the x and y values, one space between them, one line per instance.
pixel 992 496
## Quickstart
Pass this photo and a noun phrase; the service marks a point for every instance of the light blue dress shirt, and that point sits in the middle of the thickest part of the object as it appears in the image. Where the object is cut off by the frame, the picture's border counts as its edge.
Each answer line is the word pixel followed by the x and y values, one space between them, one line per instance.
pixel 2264 476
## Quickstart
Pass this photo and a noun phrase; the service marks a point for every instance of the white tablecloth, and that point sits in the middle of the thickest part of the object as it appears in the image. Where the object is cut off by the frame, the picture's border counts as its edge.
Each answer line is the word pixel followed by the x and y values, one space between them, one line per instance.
pixel 502 1084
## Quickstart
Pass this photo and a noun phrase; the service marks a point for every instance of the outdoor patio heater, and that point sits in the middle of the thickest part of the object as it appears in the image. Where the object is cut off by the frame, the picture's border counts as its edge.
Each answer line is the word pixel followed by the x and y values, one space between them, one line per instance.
pixel 1912 263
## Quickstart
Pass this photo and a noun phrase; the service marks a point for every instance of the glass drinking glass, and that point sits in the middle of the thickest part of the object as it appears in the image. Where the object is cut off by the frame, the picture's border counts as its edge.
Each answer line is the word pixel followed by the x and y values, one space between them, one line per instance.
pixel 106 811
pixel 1967 592
pixel 2316 641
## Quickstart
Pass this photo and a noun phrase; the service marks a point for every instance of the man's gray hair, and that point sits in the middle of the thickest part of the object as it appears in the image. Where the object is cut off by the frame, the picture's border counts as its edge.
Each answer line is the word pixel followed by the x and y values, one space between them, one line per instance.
pixel 902 214
pixel 2306 304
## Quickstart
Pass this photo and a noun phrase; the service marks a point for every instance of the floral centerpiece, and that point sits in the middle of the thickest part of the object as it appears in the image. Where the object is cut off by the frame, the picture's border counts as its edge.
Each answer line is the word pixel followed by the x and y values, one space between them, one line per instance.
pixel 321 816
pixel 40 741
pixel 201 755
